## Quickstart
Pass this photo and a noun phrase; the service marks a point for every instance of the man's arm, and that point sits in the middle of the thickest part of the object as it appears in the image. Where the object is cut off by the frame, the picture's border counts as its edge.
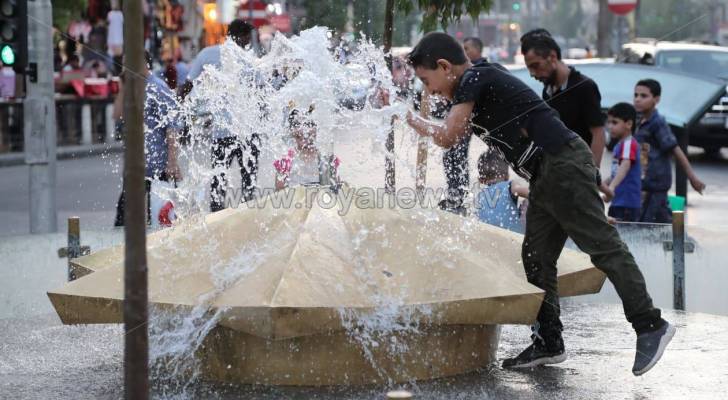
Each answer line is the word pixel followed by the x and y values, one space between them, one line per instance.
pixel 451 132
pixel 597 144
pixel 681 159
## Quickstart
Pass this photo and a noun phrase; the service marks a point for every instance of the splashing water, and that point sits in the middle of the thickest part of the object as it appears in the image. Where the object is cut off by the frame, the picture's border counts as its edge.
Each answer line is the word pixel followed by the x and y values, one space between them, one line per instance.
pixel 248 97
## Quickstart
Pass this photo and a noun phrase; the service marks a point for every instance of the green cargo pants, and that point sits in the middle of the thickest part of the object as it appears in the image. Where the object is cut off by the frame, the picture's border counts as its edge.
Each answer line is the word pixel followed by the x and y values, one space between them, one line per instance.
pixel 564 201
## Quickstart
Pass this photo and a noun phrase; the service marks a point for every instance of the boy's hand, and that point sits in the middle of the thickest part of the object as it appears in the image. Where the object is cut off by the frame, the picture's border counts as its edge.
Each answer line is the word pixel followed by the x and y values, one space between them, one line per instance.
pixel 608 193
pixel 697 184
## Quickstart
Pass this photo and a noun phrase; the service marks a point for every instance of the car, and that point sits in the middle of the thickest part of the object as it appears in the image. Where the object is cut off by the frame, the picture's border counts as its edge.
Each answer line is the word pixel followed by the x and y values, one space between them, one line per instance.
pixel 711 132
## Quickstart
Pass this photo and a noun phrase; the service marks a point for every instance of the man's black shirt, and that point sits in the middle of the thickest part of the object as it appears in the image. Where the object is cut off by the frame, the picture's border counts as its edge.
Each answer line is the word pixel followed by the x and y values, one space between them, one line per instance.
pixel 503 106
pixel 578 104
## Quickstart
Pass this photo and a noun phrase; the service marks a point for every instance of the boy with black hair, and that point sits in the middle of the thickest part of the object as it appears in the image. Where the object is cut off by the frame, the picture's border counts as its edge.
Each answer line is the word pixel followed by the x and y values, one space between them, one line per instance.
pixel 625 184
pixel 563 201
pixel 653 131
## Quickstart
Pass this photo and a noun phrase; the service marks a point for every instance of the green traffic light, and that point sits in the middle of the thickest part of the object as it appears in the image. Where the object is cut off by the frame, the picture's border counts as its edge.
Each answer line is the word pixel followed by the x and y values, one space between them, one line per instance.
pixel 7 55
pixel 516 6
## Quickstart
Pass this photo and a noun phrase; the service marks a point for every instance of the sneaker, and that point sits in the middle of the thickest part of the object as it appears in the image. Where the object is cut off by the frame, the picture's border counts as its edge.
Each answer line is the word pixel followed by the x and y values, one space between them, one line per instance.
pixel 650 347
pixel 536 354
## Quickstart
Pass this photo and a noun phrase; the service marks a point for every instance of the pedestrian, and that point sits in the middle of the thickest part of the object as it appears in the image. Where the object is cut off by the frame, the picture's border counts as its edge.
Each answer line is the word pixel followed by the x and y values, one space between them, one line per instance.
pixel 115 38
pixel 160 143
pixel 497 202
pixel 661 143
pixel 302 165
pixel 473 47
pixel 575 96
pixel 563 196
pixel 625 185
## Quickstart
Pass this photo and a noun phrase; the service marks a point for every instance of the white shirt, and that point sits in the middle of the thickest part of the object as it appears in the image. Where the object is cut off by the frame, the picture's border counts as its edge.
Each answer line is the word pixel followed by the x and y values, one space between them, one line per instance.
pixel 208 56
pixel 116 28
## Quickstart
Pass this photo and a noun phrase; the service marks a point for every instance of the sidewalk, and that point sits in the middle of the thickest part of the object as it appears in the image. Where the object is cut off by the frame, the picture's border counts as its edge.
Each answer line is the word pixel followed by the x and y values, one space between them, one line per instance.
pixel 43 359
pixel 66 152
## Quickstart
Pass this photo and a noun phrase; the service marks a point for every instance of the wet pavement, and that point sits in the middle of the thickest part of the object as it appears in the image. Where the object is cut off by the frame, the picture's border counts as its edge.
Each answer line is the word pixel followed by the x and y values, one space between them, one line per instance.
pixel 42 359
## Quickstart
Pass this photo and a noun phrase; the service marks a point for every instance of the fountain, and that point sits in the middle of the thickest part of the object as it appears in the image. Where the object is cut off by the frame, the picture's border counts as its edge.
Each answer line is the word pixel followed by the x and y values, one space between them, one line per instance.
pixel 309 285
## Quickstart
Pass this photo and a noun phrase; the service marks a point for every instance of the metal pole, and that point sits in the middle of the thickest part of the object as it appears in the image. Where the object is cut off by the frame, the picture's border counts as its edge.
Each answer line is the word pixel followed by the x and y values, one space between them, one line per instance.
pixel 678 260
pixel 74 244
pixel 136 340
pixel 389 182
pixel 39 110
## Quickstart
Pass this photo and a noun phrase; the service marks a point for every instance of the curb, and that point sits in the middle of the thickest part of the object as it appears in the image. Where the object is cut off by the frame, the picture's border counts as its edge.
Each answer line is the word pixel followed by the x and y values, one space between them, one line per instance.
pixel 65 153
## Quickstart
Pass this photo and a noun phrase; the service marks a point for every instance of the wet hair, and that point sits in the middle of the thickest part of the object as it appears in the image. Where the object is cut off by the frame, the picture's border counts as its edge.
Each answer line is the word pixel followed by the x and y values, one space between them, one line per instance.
pixel 475 41
pixel 239 29
pixel 435 46
pixel 536 32
pixel 651 84
pixel 492 165
pixel 541 44
pixel 298 118
pixel 625 112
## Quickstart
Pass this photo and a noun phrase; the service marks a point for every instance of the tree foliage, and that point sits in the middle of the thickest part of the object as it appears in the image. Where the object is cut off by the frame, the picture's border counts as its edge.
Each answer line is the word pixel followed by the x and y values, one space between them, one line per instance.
pixel 64 11
pixel 565 19
pixel 674 19
pixel 441 13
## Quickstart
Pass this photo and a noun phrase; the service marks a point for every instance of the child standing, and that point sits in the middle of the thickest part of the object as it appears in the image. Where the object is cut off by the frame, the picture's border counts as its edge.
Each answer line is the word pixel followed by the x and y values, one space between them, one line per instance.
pixel 301 165
pixel 653 131
pixel 498 201
pixel 625 184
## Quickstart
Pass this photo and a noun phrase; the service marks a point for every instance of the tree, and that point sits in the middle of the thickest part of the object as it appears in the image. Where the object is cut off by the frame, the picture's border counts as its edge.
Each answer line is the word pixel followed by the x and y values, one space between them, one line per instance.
pixel 65 11
pixel 441 13
pixel 329 13
pixel 604 30
pixel 565 19
pixel 674 19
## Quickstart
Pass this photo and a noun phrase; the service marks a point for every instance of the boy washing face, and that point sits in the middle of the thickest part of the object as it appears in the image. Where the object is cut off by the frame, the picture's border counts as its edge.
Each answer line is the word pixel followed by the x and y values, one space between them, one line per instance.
pixel 564 200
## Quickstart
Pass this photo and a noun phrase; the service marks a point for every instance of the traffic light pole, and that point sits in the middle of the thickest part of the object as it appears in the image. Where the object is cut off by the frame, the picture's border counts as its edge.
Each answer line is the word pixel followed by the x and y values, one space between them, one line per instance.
pixel 39 112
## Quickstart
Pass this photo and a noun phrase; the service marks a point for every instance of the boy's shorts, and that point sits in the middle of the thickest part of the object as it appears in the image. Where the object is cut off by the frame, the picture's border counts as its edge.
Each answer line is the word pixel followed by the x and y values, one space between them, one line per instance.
pixel 624 214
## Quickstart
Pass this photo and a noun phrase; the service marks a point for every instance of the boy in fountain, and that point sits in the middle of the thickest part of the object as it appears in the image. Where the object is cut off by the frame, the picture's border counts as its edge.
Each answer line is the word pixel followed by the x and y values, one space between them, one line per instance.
pixel 563 200
pixel 301 165
pixel 498 201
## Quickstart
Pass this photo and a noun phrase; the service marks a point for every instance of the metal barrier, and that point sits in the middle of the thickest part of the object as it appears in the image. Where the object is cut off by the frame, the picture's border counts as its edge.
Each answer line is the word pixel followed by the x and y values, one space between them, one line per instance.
pixel 80 121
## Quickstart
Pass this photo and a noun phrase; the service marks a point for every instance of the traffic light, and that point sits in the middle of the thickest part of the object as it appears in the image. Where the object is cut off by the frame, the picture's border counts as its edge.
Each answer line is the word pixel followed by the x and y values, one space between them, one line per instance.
pixel 516 6
pixel 14 34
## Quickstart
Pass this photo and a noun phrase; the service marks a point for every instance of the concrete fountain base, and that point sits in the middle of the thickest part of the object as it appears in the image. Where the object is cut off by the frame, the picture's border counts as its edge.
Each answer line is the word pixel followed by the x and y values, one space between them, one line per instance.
pixel 337 359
